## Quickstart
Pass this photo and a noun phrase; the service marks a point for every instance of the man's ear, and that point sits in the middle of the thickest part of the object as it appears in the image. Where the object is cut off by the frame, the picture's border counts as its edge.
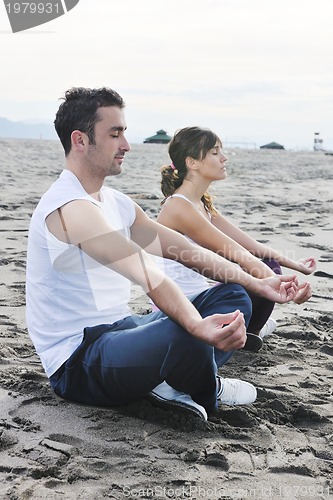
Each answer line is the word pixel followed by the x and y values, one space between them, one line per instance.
pixel 79 140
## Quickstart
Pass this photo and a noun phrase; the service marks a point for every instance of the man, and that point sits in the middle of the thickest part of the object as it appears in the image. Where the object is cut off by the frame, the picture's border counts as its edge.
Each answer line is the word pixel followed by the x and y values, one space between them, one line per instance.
pixel 87 243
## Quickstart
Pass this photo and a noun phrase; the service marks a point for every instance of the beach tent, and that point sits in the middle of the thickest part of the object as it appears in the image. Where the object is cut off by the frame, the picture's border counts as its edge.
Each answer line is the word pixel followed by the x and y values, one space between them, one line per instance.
pixel 160 137
pixel 272 145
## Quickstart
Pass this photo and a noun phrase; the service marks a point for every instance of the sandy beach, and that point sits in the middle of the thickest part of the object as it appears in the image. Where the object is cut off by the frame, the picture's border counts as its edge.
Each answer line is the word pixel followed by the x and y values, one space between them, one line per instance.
pixel 279 447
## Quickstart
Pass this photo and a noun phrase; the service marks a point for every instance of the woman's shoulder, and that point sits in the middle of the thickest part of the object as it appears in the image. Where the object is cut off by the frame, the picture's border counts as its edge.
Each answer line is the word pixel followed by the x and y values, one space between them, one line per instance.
pixel 175 198
pixel 174 202
pixel 181 196
pixel 179 213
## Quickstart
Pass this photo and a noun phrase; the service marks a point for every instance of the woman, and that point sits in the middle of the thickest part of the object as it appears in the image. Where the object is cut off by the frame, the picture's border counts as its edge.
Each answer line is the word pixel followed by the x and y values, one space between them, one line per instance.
pixel 197 161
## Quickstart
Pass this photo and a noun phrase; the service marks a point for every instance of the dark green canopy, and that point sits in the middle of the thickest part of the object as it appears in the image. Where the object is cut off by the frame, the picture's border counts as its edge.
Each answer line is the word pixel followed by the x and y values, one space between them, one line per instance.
pixel 161 137
pixel 272 145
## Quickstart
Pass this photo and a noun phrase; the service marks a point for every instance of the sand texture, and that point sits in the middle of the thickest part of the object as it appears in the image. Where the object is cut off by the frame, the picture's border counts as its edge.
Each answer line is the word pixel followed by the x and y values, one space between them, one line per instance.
pixel 279 447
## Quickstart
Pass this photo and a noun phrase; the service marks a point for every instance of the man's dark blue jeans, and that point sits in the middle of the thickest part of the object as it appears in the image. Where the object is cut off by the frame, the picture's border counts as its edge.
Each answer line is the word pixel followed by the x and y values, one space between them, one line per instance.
pixel 124 361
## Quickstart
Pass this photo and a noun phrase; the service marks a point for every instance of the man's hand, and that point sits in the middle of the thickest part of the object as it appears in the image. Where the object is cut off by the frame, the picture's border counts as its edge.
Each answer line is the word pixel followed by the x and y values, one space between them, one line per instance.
pixel 307 265
pixel 278 288
pixel 223 331
pixel 303 293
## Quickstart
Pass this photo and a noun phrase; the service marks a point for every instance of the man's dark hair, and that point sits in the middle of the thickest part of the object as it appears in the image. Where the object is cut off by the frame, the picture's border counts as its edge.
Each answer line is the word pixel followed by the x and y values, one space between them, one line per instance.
pixel 79 112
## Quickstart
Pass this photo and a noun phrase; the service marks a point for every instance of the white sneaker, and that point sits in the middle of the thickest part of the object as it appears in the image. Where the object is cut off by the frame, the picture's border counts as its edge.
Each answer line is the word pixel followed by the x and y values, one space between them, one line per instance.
pixel 166 397
pixel 268 328
pixel 236 392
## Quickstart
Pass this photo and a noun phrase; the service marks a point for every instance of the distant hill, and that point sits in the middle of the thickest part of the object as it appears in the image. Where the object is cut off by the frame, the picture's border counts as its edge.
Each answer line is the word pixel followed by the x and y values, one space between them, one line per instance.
pixel 22 130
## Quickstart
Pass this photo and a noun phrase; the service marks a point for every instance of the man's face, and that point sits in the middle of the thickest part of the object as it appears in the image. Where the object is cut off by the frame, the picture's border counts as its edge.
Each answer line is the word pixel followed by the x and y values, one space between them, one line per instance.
pixel 105 157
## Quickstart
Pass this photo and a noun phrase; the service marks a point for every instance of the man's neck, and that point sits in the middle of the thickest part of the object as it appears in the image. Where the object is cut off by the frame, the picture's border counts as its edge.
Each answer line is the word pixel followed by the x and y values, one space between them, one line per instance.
pixel 92 185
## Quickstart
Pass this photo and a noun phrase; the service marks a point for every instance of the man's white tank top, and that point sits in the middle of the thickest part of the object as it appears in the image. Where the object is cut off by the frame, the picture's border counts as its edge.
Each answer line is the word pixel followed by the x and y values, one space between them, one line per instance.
pixel 66 290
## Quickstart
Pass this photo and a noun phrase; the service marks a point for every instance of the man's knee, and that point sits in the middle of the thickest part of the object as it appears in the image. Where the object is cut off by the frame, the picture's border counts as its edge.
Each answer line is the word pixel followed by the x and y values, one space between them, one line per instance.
pixel 238 298
pixel 245 305
pixel 242 301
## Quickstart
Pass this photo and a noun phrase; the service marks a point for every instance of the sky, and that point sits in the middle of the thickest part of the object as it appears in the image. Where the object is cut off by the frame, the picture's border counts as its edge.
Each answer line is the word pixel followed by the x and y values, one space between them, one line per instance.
pixel 254 71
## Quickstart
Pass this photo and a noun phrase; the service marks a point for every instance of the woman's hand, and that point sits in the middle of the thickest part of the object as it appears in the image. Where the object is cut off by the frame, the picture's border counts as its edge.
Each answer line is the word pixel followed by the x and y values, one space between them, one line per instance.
pixel 307 265
pixel 303 293
pixel 277 288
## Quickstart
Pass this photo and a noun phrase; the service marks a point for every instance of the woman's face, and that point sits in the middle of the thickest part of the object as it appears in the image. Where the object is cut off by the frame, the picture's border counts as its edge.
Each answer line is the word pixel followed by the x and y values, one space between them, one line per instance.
pixel 213 166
